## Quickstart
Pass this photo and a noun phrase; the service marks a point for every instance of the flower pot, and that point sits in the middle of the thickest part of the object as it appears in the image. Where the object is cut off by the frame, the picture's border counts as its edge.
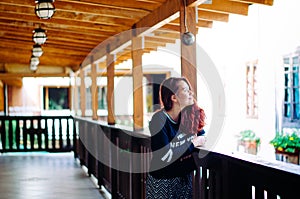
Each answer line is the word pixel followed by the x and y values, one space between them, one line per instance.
pixel 288 157
pixel 250 146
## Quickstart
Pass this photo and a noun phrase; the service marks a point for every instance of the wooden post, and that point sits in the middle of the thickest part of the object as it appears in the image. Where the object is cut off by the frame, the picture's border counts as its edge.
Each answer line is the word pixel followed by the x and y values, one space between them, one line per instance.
pixel 137 76
pixel 75 97
pixel 82 92
pixel 46 89
pixel 110 65
pixel 188 53
pixel 94 90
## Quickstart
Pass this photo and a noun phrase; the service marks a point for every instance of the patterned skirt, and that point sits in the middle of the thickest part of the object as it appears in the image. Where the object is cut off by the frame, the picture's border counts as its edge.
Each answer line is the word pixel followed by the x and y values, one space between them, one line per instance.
pixel 173 188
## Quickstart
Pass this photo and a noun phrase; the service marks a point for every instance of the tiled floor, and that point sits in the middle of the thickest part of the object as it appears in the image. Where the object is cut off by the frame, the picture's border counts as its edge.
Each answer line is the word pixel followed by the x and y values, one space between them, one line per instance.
pixel 44 176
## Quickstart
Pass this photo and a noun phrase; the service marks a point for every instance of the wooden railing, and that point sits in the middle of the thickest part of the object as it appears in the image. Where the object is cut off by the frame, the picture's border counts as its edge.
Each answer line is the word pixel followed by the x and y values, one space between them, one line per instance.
pixel 119 158
pixel 244 176
pixel 107 151
pixel 36 133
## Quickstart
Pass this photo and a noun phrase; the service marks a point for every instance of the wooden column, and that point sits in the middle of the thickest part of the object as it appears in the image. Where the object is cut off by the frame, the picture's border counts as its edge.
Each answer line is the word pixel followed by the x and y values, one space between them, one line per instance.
pixel 75 97
pixel 94 90
pixel 82 93
pixel 46 89
pixel 110 65
pixel 188 53
pixel 137 76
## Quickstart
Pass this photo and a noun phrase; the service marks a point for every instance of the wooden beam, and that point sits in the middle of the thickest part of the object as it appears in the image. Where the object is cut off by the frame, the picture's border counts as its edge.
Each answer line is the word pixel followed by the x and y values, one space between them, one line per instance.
pixel 159 40
pixel 14 81
pixel 76 95
pixel 226 6
pixel 161 33
pixel 264 2
pixel 159 17
pixel 165 13
pixel 193 3
pixel 118 73
pixel 137 76
pixel 200 23
pixel 212 16
pixel 82 93
pixel 4 76
pixel 23 70
pixel 94 91
pixel 110 63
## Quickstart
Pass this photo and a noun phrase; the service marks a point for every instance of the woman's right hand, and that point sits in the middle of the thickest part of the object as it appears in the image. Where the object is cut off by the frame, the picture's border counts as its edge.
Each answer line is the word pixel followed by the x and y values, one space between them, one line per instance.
pixel 199 140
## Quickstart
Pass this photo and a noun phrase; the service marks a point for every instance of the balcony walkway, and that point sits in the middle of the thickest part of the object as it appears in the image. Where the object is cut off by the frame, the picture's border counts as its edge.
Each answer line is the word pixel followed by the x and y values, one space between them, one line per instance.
pixel 45 175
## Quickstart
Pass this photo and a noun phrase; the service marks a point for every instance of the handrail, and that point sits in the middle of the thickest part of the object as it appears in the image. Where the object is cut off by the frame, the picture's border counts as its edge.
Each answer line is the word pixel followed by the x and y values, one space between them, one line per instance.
pixel 244 176
pixel 101 147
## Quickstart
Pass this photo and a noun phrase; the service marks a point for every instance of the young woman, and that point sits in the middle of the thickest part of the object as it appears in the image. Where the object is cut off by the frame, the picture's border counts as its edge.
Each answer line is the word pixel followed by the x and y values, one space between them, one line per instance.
pixel 175 130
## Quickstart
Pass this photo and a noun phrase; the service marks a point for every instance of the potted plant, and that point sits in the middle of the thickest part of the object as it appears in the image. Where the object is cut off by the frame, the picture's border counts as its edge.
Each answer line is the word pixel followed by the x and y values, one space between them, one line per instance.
pixel 248 142
pixel 287 146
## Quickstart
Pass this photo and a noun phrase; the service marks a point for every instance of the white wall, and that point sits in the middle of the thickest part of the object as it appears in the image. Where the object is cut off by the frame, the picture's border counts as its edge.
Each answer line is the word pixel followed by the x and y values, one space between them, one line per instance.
pixel 267 33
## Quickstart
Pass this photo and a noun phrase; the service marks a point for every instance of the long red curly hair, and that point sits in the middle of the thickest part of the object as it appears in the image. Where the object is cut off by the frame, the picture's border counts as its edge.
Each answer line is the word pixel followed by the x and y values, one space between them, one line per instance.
pixel 192 119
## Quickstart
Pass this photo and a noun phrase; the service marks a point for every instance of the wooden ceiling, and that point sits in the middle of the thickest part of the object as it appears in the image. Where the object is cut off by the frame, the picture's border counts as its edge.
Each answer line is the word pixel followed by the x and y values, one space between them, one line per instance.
pixel 78 26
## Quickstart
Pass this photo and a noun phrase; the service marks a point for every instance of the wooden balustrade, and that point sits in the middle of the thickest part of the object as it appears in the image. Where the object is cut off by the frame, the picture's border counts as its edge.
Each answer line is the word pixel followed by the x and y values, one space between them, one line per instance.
pixel 36 133
pixel 107 153
pixel 110 154
pixel 119 158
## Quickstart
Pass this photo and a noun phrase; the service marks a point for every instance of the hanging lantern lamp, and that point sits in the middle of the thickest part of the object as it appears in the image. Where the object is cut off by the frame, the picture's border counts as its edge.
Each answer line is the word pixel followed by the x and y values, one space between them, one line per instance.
pixel 34 61
pixel 44 9
pixel 39 36
pixel 37 50
pixel 33 67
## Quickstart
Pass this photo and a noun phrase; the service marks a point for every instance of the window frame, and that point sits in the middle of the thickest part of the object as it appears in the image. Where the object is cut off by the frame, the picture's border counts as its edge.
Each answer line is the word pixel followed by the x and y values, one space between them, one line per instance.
pixel 251 89
pixel 290 68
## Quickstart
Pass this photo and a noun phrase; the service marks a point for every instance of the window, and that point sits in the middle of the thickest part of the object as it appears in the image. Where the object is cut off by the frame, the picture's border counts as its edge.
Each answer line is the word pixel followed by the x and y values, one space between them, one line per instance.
pixel 291 102
pixel 56 98
pixel 251 89
pixel 102 97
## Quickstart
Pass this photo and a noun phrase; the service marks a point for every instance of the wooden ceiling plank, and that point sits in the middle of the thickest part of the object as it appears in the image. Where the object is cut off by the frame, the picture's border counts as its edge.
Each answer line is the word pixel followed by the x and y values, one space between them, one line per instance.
pixel 14 45
pixel 129 4
pixel 159 40
pixel 78 26
pixel 204 24
pixel 212 16
pixel 101 10
pixel 22 39
pixel 172 27
pixel 264 2
pixel 70 16
pixel 200 23
pixel 157 18
pixel 226 6
pixel 64 23
pixel 81 7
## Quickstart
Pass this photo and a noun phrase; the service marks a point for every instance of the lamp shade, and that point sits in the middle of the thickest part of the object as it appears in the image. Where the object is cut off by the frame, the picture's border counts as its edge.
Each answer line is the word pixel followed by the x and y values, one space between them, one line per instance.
pixel 37 50
pixel 39 36
pixel 44 9
pixel 34 61
pixel 33 67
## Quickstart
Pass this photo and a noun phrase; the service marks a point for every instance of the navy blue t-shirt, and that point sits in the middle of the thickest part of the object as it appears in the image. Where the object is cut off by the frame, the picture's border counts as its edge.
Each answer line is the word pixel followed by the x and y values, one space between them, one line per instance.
pixel 171 149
